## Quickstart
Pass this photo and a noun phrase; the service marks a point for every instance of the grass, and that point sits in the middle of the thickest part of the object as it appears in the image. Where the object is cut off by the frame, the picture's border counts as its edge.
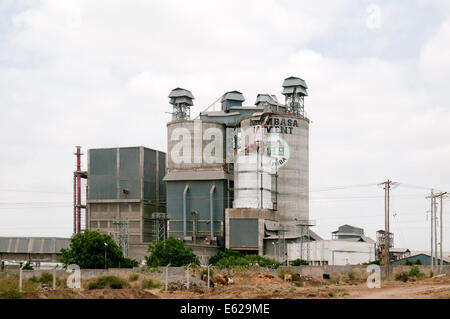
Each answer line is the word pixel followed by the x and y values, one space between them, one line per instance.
pixel 112 282
pixel 412 275
pixel 150 284
pixel 133 277
pixel 9 287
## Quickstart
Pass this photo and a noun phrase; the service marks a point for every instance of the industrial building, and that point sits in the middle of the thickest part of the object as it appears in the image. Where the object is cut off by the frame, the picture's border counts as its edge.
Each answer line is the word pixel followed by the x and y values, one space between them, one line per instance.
pixel 126 196
pixel 348 246
pixel 239 176
pixel 32 249
pixel 236 177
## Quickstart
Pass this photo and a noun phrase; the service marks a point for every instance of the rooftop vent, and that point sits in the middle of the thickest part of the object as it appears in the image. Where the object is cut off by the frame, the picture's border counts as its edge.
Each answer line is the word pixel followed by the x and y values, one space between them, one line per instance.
pixel 294 90
pixel 232 98
pixel 181 99
pixel 266 99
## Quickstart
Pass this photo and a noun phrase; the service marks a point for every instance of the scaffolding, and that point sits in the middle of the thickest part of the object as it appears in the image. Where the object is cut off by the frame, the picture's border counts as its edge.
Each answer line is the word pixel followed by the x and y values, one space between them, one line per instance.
pixel 304 225
pixel 159 229
pixel 121 234
pixel 381 243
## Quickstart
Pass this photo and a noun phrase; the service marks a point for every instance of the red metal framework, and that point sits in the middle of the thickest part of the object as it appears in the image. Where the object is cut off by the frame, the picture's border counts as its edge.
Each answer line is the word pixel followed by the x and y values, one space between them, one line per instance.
pixel 77 204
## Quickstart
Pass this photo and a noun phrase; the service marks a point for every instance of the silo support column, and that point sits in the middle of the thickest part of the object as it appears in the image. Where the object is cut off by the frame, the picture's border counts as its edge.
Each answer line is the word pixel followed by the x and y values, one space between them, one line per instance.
pixel 186 188
pixel 211 210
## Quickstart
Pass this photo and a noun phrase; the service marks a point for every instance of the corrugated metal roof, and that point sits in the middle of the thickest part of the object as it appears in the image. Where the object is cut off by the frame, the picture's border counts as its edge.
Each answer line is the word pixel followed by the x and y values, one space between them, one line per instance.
pixel 445 255
pixel 233 96
pixel 33 245
pixel 294 81
pixel 266 98
pixel 178 92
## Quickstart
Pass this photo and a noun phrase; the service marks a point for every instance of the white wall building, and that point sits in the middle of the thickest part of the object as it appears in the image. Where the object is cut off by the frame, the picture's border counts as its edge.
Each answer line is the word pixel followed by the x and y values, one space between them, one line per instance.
pixel 332 252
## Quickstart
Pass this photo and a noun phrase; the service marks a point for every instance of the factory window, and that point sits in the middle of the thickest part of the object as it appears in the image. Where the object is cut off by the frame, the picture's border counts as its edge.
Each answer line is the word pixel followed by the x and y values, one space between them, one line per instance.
pixel 94 224
pixel 103 224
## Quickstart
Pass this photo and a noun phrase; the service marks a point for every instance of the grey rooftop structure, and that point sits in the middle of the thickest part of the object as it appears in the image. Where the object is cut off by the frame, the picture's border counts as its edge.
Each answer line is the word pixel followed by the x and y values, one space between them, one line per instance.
pixel 294 85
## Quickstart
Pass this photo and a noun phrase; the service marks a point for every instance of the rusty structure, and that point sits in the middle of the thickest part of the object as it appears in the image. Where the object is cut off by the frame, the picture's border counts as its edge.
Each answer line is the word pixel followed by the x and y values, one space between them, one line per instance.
pixel 79 223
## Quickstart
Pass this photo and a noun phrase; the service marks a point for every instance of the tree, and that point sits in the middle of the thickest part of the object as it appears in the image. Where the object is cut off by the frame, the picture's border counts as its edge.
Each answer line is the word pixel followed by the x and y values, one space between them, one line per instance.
pixel 171 251
pixel 87 250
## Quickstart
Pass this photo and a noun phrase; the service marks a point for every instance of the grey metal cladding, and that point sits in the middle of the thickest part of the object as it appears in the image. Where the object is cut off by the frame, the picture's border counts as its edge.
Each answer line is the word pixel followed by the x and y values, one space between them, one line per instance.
pixel 23 245
pixel 47 248
pixel 61 243
pixel 260 98
pixel 162 172
pixel 4 244
pixel 103 173
pixel 197 200
pixel 180 92
pixel 294 81
pixel 181 99
pixel 351 229
pixel 149 174
pixel 129 173
pixel 244 233
pixel 297 89
pixel 233 96
pixel 36 246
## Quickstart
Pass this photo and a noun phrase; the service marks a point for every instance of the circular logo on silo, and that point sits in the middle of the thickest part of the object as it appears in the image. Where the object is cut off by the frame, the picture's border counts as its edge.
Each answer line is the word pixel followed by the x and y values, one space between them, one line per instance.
pixel 278 151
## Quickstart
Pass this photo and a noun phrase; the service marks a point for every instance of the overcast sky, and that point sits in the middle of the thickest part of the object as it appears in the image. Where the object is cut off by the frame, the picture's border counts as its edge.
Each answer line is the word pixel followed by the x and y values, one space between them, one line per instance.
pixel 97 74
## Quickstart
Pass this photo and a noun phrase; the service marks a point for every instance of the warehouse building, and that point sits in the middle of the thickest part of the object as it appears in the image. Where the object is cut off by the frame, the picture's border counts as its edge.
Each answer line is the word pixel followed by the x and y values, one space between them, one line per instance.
pixel 32 249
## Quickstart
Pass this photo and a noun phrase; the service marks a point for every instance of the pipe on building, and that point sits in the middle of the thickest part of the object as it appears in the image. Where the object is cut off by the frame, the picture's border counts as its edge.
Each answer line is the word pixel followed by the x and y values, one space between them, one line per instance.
pixel 186 188
pixel 211 211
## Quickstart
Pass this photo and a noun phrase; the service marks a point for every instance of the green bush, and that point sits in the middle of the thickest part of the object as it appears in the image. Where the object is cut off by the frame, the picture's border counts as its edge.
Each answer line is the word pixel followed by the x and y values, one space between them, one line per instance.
pixel 171 251
pixel 230 258
pixel 112 282
pixel 299 262
pixel 133 277
pixel 415 272
pixel 46 279
pixel 87 250
pixel 402 277
pixel 150 284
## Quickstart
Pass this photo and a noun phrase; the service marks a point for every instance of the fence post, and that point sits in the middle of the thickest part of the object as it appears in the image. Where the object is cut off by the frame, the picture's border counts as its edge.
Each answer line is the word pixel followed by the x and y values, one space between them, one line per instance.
pixel 20 276
pixel 167 277
pixel 54 277
pixel 208 275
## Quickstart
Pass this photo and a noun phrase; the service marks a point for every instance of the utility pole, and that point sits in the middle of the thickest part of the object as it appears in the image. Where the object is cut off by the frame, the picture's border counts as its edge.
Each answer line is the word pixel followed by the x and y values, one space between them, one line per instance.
pixel 431 229
pixel 435 232
pixel 387 234
pixel 440 242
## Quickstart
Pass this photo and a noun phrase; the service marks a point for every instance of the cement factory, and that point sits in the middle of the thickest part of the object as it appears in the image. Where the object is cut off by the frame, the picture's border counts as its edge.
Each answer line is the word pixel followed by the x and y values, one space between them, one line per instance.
pixel 237 178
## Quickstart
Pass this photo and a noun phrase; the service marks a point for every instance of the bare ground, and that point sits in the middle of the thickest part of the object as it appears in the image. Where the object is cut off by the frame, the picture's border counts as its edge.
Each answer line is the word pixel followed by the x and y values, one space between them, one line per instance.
pixel 251 285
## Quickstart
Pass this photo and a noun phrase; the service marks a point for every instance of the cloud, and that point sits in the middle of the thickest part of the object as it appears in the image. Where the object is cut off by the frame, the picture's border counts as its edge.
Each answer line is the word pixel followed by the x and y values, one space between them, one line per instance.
pixel 98 74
